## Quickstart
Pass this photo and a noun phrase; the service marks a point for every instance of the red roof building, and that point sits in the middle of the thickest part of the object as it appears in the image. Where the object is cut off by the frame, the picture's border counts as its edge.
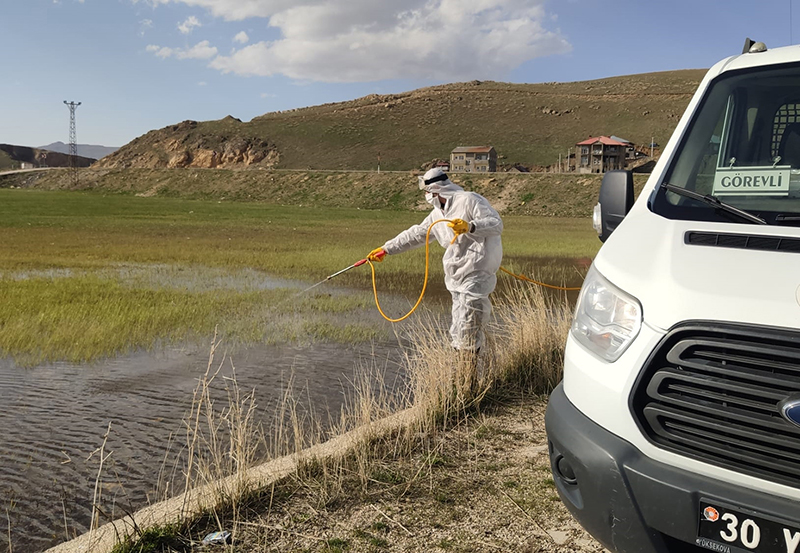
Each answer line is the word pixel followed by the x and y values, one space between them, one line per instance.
pixel 600 154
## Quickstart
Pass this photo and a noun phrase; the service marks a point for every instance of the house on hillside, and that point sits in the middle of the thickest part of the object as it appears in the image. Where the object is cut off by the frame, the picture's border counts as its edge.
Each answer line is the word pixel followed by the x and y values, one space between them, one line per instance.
pixel 630 149
pixel 600 154
pixel 473 159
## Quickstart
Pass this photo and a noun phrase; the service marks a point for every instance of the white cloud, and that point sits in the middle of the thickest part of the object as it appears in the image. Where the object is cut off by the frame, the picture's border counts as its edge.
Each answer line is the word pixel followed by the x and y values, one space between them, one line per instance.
pixel 241 37
pixel 370 40
pixel 159 51
pixel 187 26
pixel 144 26
pixel 200 51
pixel 237 10
pixel 202 83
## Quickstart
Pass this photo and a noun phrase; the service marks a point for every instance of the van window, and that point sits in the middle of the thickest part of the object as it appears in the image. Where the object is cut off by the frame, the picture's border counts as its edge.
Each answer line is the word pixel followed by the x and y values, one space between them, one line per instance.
pixel 741 147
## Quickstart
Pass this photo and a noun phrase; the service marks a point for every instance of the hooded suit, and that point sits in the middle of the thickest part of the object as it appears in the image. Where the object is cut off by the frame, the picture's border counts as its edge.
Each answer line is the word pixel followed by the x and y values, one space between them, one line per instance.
pixel 470 263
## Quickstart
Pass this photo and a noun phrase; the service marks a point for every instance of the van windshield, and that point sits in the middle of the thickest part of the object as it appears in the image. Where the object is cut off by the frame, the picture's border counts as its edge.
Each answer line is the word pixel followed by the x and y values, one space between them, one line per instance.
pixel 742 149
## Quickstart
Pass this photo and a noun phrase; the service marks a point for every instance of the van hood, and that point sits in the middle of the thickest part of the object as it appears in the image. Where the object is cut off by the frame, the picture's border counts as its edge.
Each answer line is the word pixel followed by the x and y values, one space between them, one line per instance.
pixel 677 281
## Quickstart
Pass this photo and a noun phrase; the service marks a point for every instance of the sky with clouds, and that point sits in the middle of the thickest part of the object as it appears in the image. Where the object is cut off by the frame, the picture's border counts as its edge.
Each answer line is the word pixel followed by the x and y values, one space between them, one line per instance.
pixel 138 65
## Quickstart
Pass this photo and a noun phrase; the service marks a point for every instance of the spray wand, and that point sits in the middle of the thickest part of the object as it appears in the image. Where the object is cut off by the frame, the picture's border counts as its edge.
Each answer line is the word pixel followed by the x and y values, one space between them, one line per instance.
pixel 337 273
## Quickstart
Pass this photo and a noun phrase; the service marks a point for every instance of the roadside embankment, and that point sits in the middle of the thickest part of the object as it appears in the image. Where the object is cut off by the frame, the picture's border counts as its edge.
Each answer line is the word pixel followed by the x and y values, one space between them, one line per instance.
pixel 540 194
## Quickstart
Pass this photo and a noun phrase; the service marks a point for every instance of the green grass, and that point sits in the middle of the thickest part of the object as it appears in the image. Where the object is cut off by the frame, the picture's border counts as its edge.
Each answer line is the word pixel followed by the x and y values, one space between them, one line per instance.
pixel 537 194
pixel 86 275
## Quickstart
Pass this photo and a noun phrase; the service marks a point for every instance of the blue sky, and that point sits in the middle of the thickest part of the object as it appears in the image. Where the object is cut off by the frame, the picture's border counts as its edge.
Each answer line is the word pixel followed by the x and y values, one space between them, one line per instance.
pixel 139 65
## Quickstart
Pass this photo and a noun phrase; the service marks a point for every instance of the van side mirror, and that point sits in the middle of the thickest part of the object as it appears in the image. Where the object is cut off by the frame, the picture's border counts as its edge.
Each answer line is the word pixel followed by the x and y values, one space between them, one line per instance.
pixel 616 200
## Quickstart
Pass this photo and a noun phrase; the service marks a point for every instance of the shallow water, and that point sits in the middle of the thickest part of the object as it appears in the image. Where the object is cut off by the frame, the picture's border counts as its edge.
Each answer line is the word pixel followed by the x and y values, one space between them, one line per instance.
pixel 55 416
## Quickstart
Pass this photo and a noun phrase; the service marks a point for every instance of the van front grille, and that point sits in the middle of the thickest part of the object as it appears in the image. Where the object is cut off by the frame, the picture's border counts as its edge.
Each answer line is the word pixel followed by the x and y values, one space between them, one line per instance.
pixel 712 392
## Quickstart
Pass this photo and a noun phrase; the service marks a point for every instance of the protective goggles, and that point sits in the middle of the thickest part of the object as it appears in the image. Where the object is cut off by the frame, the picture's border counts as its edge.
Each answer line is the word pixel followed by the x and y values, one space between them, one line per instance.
pixel 423 184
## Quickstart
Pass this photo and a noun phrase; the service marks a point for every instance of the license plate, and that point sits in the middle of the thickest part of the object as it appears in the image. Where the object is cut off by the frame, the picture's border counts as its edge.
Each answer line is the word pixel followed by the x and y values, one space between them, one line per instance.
pixel 734 530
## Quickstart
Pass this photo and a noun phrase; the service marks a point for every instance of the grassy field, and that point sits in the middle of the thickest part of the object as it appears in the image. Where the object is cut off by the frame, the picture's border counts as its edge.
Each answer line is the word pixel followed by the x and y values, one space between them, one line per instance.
pixel 537 194
pixel 85 275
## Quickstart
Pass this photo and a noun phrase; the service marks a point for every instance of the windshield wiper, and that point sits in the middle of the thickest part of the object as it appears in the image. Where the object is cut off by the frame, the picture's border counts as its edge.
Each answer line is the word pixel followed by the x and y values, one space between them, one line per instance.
pixel 714 202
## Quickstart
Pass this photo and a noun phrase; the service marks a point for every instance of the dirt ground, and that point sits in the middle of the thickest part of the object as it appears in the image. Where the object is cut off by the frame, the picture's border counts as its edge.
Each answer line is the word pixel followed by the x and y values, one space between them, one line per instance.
pixel 482 485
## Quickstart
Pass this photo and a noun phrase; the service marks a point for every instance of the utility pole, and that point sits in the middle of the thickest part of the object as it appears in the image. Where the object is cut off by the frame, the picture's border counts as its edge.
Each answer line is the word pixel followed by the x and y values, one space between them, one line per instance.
pixel 73 142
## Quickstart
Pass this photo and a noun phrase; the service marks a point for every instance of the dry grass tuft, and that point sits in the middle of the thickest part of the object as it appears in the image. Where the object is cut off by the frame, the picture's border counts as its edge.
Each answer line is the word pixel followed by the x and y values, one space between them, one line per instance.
pixel 531 330
pixel 443 388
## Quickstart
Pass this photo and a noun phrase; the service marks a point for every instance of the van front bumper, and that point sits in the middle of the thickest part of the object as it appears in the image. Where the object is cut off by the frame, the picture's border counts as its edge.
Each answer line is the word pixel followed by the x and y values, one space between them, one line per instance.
pixel 629 502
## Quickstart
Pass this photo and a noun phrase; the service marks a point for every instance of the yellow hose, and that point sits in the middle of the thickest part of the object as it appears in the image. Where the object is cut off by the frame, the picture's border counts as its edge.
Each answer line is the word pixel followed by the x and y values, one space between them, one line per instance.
pixel 425 282
pixel 526 279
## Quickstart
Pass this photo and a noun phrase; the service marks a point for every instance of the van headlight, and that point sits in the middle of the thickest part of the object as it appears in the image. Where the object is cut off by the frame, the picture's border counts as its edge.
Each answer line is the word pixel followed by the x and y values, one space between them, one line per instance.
pixel 606 318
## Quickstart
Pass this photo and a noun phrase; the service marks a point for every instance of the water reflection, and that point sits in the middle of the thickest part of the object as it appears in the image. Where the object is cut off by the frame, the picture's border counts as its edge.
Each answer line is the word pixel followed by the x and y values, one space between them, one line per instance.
pixel 55 416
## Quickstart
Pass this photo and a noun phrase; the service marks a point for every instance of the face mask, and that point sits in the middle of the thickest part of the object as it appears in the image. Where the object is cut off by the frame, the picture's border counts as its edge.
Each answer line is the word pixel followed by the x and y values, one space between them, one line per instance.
pixel 430 199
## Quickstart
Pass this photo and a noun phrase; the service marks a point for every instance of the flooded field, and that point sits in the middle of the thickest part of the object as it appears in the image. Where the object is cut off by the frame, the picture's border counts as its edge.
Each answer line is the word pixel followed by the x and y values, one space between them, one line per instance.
pixel 137 286
pixel 55 416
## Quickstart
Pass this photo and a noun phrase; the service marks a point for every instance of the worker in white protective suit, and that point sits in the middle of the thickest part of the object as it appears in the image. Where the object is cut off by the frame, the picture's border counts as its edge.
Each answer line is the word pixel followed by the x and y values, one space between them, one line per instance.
pixel 470 261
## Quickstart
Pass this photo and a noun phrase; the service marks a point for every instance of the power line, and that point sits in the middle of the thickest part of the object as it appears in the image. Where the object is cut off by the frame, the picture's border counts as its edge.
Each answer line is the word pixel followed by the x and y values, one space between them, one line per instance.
pixel 73 142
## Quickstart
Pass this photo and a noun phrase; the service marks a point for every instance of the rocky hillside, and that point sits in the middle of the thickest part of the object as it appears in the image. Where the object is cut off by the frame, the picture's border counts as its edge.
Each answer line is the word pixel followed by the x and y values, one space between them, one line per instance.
pixel 223 144
pixel 528 124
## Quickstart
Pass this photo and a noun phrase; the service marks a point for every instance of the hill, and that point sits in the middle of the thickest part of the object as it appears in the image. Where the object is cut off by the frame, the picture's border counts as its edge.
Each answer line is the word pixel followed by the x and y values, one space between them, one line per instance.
pixel 12 157
pixel 529 124
pixel 91 151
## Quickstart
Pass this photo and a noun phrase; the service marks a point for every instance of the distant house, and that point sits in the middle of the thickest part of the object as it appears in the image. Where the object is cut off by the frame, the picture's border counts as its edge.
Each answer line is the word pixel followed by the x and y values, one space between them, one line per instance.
pixel 600 154
pixel 630 149
pixel 442 164
pixel 473 159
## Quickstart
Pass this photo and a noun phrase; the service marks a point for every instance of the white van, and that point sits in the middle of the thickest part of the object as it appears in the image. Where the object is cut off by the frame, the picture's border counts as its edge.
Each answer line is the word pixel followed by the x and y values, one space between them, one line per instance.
pixel 677 424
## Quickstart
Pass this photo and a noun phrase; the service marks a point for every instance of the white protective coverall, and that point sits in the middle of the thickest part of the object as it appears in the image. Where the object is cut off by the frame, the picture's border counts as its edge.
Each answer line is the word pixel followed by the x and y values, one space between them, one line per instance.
pixel 470 263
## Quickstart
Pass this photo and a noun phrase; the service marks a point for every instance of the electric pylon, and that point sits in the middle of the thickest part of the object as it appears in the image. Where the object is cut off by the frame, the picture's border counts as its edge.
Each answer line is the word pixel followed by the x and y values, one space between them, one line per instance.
pixel 73 142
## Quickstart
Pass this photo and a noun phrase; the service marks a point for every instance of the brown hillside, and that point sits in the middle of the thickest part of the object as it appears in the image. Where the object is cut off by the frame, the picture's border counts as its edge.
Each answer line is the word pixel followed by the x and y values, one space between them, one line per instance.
pixel 220 144
pixel 529 124
pixel 39 158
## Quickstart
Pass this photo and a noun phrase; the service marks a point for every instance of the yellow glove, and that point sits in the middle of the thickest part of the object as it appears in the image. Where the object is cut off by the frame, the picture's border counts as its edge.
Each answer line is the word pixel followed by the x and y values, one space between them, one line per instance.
pixel 459 226
pixel 376 255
